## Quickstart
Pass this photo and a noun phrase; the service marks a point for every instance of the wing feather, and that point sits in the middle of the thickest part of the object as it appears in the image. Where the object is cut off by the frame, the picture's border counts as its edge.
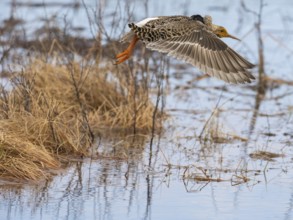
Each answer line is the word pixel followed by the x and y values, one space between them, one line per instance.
pixel 209 53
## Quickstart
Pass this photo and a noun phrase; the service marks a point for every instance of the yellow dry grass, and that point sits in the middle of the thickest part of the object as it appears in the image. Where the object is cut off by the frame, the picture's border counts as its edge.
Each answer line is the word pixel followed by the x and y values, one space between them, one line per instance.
pixel 53 110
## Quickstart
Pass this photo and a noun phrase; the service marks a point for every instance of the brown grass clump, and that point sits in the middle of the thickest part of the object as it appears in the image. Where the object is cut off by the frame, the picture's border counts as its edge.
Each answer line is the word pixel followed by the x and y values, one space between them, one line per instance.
pixel 53 111
pixel 265 155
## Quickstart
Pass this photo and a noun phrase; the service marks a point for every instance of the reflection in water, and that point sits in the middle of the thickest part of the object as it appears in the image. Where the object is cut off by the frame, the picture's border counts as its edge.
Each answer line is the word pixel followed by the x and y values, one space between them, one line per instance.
pixel 259 97
pixel 142 187
pixel 289 212
pixel 96 186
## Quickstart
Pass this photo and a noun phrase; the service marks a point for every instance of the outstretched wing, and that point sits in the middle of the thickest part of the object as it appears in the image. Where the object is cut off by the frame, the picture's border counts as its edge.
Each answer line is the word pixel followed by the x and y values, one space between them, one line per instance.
pixel 206 51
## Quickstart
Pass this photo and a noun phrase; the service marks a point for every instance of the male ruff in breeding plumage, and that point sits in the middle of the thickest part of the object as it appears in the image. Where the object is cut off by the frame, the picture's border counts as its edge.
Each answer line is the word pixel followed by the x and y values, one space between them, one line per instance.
pixel 195 40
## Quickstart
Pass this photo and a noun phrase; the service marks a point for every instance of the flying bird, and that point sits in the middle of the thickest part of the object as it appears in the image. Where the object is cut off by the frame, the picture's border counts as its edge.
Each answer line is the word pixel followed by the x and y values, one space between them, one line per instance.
pixel 195 40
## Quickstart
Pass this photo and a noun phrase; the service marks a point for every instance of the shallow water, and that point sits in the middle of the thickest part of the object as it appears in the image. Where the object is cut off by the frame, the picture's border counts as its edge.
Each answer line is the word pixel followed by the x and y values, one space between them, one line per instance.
pixel 160 181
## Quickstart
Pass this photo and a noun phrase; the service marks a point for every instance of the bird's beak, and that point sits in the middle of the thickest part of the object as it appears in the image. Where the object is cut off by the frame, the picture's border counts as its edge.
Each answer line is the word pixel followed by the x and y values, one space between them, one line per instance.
pixel 231 36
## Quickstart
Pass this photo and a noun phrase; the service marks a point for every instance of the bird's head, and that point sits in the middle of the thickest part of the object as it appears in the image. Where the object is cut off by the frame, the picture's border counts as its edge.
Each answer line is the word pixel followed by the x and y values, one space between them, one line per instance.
pixel 222 32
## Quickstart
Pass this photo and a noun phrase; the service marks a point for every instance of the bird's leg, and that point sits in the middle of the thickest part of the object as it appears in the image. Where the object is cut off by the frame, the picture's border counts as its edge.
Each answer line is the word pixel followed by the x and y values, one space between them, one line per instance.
pixel 121 57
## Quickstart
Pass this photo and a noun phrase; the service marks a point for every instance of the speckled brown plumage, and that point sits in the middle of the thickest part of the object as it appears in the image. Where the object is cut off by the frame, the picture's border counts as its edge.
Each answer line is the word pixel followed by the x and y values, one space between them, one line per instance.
pixel 196 41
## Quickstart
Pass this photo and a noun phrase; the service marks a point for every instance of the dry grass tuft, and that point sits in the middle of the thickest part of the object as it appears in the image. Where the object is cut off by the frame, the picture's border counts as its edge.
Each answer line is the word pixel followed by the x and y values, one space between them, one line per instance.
pixel 54 110
pixel 265 155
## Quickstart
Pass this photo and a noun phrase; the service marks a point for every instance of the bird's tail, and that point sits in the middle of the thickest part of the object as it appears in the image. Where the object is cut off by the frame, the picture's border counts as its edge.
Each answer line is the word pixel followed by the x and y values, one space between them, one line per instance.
pixel 127 37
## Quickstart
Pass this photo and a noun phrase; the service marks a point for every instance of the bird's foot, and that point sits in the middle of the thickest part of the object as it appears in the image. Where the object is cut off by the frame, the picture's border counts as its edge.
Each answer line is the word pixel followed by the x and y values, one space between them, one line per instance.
pixel 121 57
